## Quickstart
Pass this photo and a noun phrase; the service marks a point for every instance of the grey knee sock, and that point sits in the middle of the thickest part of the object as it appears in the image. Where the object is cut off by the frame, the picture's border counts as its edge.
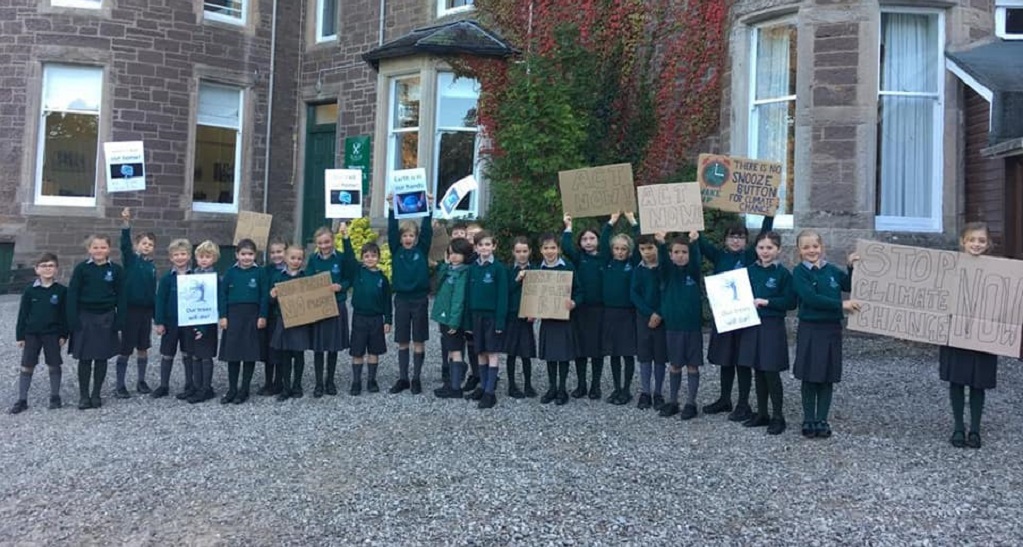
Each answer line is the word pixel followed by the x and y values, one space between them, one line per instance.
pixel 403 355
pixel 166 364
pixel 122 370
pixel 693 385
pixel 141 364
pixel 371 372
pixel 24 381
pixel 357 373
pixel 659 370
pixel 56 373
pixel 645 371
pixel 99 374
pixel 417 365
pixel 207 373
pixel 676 383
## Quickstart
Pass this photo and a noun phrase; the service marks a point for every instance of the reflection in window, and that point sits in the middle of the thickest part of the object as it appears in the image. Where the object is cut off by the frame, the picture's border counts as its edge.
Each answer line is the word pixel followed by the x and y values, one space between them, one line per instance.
pixel 456 143
pixel 69 135
pixel 216 172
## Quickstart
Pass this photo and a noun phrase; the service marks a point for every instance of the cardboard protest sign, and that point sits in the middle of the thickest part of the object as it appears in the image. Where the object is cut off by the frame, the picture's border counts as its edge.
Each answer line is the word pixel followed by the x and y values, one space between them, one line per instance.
pixel 408 186
pixel 596 191
pixel 939 297
pixel 306 300
pixel 343 189
pixel 254 226
pixel 439 244
pixel 455 194
pixel 731 300
pixel 125 166
pixel 674 207
pixel 739 185
pixel 197 299
pixel 544 293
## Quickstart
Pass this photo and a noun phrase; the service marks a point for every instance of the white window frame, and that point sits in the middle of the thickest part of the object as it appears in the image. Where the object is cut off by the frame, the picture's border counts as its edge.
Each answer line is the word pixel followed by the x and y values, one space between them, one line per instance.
pixel 82 4
pixel 785 221
pixel 932 224
pixel 1001 6
pixel 320 37
pixel 391 131
pixel 474 204
pixel 210 207
pixel 223 18
pixel 443 9
pixel 40 198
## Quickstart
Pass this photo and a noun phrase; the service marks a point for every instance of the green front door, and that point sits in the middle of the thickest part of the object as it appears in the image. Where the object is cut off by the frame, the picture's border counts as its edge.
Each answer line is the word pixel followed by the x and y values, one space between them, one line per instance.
pixel 320 150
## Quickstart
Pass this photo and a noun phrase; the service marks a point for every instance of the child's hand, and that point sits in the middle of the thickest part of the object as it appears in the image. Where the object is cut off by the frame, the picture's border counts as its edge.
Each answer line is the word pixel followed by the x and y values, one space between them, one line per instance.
pixel 343 229
pixel 451 332
pixel 567 219
pixel 126 214
pixel 160 330
pixel 614 218
pixel 520 276
pixel 223 324
pixel 660 237
pixel 531 319
pixel 694 235
pixel 853 259
pixel 631 217
pixel 389 200
pixel 851 306
pixel 569 304
pixel 429 200
pixel 387 329
pixel 335 287
pixel 654 322
pixel 62 341
pixel 21 343
pixel 760 302
pixel 273 292
pixel 261 323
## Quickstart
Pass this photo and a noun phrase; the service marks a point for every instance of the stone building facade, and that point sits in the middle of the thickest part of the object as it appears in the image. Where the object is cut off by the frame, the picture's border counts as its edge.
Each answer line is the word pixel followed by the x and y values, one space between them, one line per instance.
pixel 854 98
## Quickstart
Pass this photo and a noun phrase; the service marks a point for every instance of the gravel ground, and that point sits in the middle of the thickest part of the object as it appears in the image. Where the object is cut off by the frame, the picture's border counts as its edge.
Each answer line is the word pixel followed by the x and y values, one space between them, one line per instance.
pixel 382 469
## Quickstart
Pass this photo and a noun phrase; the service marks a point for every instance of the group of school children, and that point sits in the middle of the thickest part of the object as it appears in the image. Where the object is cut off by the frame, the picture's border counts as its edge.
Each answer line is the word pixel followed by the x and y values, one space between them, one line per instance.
pixel 631 299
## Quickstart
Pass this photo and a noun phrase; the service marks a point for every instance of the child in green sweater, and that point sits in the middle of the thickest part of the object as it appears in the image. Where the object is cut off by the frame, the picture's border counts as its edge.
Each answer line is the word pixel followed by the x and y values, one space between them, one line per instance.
pixel 41 326
pixel 140 289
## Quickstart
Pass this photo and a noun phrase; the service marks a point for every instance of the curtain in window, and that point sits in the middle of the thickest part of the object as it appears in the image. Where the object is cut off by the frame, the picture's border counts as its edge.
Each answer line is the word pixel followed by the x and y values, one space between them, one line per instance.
pixel 775 79
pixel 218 106
pixel 908 98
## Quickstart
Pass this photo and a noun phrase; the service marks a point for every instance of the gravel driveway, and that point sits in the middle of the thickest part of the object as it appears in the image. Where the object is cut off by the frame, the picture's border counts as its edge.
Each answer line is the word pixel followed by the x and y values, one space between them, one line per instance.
pixel 382 469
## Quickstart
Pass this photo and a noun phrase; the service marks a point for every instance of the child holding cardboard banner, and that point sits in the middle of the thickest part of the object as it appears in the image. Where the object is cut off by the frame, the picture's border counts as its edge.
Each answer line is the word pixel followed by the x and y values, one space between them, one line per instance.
pixel 243 305
pixel 724 347
pixel 682 310
pixel 330 335
pixel 588 260
pixel 291 343
pixel 964 367
pixel 410 275
pixel 818 364
pixel 618 338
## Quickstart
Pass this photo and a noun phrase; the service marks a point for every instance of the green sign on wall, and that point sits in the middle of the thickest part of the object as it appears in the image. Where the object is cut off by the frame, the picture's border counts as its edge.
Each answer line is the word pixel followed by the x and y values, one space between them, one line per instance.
pixel 357 152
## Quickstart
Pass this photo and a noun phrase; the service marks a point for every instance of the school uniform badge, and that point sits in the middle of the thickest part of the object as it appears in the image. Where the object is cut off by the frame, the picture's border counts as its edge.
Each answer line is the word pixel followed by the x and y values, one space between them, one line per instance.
pixel 109 276
pixel 54 300
pixel 772 283
pixel 252 282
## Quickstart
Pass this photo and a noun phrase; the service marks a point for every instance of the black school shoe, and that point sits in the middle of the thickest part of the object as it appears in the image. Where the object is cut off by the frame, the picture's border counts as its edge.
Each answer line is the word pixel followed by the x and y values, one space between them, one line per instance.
pixel 399 386
pixel 549 396
pixel 668 410
pixel 143 388
pixel 85 404
pixel 264 391
pixel 186 394
pixel 228 397
pixel 97 402
pixel 595 393
pixel 201 396
pixel 296 393
pixel 487 401
pixel 958 439
pixel 284 395
pixel 809 430
pixel 718 406
pixel 372 386
pixel 757 420
pixel 331 389
pixel 580 391
pixel 471 383
pixel 658 401
pixel 241 397
pixel 161 391
pixel 356 389
pixel 776 427
pixel 515 393
pixel 18 407
pixel 475 395
pixel 122 393
pixel 823 430
pixel 624 398
pixel 688 412
pixel 562 398
pixel 973 440
pixel 644 401
pixel 416 387
pixel 318 392
pixel 741 413
pixel 55 402
pixel 529 392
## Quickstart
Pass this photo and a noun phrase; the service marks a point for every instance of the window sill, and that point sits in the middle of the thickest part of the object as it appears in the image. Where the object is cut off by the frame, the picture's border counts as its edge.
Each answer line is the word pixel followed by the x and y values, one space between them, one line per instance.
pixel 214 209
pixel 51 210
pixel 223 20
pixel 455 11
pixel 907 224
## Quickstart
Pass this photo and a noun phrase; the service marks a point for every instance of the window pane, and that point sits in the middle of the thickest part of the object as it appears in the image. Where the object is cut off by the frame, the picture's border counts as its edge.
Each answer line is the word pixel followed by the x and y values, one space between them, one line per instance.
pixel 775 140
pixel 451 4
pixel 214 174
pixel 406 150
pixel 1014 21
pixel 227 8
pixel 456 158
pixel 909 52
pixel 456 103
pixel 405 102
pixel 218 105
pixel 906 166
pixel 76 88
pixel 328 18
pixel 69 154
pixel 776 62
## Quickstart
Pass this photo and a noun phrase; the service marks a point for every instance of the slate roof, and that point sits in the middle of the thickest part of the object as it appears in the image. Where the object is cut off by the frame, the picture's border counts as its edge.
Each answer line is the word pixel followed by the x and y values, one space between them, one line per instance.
pixel 998 66
pixel 458 37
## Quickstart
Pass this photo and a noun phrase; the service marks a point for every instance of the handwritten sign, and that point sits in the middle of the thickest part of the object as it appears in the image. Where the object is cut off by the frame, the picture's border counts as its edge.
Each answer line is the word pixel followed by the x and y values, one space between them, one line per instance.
pixel 544 293
pixel 596 191
pixel 254 226
pixel 674 207
pixel 731 300
pixel 739 185
pixel 939 297
pixel 455 194
pixel 343 189
pixel 408 186
pixel 197 299
pixel 125 166
pixel 306 300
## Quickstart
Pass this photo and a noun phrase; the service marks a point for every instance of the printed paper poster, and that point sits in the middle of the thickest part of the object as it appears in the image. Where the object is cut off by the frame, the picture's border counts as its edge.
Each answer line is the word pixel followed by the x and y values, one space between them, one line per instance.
pixel 125 165
pixel 197 299
pixel 408 186
pixel 343 188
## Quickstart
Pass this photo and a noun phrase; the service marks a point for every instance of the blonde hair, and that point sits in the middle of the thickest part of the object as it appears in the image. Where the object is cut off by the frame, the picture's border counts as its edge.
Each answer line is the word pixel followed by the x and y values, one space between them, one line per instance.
pixel 323 231
pixel 180 245
pixel 623 239
pixel 94 237
pixel 808 233
pixel 409 226
pixel 294 247
pixel 208 248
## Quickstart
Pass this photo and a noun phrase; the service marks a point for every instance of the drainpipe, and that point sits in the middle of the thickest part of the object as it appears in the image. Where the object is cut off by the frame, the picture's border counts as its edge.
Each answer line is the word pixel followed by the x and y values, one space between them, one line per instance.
pixel 270 106
pixel 383 6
